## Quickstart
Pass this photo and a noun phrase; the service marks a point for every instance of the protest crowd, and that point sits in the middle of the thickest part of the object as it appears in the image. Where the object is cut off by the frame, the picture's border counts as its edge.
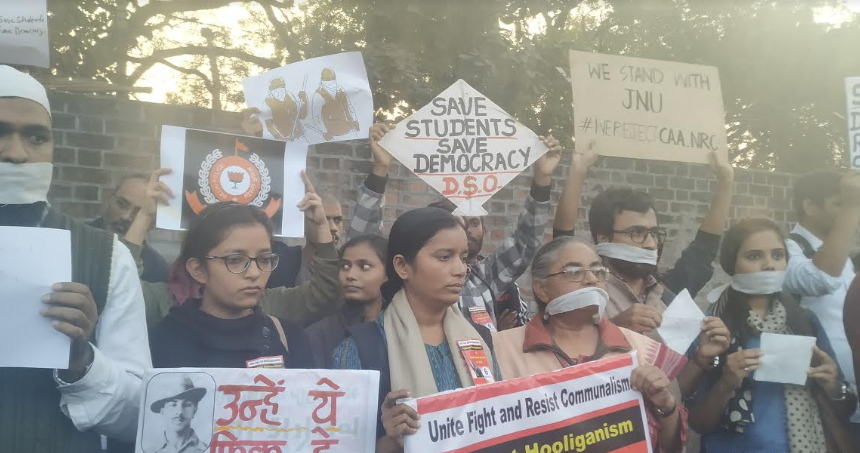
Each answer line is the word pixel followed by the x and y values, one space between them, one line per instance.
pixel 421 305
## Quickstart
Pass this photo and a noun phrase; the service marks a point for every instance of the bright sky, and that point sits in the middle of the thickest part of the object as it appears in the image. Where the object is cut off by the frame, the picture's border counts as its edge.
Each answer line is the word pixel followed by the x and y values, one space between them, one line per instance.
pixel 163 80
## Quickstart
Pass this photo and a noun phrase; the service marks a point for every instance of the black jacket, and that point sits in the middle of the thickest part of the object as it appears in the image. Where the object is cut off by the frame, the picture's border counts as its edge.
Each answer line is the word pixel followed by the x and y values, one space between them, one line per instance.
pixel 189 337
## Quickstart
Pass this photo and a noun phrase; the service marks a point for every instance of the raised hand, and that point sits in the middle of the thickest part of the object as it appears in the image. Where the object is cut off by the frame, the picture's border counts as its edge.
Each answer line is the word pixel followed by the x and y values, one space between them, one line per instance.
pixel 546 165
pixel 312 206
pixel 251 123
pixel 381 156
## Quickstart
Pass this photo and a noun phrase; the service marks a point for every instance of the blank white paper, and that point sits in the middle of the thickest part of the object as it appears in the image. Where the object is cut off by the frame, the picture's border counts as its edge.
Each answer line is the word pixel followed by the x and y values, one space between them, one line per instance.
pixel 682 323
pixel 33 260
pixel 785 358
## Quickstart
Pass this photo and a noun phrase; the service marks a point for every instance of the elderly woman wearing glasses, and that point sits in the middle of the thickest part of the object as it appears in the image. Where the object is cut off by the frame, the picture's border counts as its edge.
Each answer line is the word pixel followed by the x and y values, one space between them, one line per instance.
pixel 569 282
pixel 228 252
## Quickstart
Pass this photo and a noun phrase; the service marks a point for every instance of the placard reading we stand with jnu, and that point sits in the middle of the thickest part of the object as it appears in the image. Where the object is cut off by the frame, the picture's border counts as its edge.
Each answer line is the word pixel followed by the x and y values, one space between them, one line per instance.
pixel 648 109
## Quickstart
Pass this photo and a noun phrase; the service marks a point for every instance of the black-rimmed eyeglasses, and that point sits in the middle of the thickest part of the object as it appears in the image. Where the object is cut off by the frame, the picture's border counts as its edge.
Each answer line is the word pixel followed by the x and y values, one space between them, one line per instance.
pixel 640 234
pixel 240 263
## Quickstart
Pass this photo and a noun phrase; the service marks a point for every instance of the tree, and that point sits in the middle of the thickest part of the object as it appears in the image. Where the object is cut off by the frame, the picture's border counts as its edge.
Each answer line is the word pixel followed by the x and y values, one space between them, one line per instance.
pixel 781 70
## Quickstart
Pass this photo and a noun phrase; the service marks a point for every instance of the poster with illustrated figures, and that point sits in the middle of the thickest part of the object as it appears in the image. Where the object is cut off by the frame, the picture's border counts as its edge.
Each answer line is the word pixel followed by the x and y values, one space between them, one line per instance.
pixel 325 99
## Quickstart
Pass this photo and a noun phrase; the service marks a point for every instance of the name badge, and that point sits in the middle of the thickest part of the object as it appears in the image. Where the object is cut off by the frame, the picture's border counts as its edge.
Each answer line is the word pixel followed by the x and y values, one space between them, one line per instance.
pixel 476 361
pixel 481 317
pixel 276 361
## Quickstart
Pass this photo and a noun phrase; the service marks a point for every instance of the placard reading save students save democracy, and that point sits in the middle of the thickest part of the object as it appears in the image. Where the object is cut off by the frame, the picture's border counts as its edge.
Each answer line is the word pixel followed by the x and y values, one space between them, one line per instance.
pixel 647 109
pixel 464 146
pixel 589 408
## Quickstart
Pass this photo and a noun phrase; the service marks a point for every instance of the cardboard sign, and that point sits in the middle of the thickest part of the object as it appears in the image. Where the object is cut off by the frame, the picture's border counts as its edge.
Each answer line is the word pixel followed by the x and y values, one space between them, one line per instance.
pixel 29 339
pixel 213 167
pixel 585 408
pixel 647 109
pixel 24 33
pixel 464 146
pixel 259 410
pixel 323 99
pixel 852 91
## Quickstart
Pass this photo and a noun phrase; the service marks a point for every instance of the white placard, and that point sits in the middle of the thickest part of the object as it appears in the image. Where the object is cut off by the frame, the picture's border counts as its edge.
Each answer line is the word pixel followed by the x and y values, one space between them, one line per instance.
pixel 319 100
pixel 214 167
pixel 35 259
pixel 682 323
pixel 647 109
pixel 24 33
pixel 852 92
pixel 464 146
pixel 785 358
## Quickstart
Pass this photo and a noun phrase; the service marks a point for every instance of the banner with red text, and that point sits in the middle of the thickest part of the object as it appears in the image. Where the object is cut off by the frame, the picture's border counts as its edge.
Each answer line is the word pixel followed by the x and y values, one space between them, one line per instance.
pixel 258 410
pixel 590 408
pixel 464 146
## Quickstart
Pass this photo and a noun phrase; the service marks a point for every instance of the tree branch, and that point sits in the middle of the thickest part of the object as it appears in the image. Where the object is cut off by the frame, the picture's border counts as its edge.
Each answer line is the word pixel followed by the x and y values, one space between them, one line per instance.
pixel 189 71
pixel 161 54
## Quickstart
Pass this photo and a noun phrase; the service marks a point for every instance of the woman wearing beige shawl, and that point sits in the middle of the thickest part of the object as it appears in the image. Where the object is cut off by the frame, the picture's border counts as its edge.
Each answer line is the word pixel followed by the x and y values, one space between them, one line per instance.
pixel 416 343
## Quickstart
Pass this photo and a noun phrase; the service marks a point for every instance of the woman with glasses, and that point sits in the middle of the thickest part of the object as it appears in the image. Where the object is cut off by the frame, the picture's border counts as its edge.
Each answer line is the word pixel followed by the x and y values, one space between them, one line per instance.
pixel 568 279
pixel 227 251
pixel 302 305
pixel 734 412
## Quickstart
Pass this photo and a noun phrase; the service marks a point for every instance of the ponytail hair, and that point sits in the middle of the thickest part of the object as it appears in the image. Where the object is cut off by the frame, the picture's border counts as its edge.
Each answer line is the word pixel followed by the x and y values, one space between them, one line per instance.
pixel 409 234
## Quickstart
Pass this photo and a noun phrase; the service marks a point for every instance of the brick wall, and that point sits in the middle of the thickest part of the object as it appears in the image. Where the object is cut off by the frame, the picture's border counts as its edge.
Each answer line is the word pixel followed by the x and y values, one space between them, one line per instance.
pixel 98 140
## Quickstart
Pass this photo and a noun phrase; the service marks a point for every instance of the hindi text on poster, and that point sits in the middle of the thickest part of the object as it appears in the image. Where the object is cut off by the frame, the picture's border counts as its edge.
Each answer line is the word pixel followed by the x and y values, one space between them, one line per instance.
pixel 647 109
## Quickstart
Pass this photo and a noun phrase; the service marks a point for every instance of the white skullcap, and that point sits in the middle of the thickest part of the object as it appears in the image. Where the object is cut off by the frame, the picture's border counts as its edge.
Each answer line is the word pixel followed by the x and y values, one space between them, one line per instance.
pixel 16 84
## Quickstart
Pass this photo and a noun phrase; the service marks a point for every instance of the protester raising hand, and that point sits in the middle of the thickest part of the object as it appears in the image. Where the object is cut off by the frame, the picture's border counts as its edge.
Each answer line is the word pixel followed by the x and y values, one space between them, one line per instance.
pixel 546 165
pixel 568 205
pixel 156 191
pixel 251 124
pixel 316 230
pixel 398 420
pixel 381 156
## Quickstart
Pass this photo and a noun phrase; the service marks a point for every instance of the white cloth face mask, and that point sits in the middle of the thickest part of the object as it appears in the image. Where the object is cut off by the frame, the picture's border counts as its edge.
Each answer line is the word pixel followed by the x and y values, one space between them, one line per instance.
pixel 581 298
pixel 25 183
pixel 628 253
pixel 764 282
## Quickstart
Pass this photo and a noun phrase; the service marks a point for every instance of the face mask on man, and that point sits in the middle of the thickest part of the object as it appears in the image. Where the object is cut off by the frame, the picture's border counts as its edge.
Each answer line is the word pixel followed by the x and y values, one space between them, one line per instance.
pixel 581 298
pixel 627 253
pixel 25 183
pixel 330 86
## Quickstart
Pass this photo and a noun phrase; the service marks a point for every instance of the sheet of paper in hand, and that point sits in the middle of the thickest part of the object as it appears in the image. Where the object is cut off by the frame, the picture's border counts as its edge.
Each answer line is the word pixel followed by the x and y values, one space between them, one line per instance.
pixel 257 410
pixel 647 109
pixel 464 146
pixel 213 167
pixel 323 99
pixel 34 259
pixel 784 358
pixel 24 33
pixel 585 408
pixel 852 90
pixel 682 323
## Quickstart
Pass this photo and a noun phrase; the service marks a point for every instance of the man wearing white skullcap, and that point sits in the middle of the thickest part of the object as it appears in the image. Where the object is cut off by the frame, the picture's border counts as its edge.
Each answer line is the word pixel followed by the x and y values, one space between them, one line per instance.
pixel 101 311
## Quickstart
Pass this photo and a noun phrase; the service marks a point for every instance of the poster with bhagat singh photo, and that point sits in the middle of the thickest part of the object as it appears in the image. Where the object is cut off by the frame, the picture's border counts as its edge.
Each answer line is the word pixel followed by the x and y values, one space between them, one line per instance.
pixel 214 167
pixel 464 146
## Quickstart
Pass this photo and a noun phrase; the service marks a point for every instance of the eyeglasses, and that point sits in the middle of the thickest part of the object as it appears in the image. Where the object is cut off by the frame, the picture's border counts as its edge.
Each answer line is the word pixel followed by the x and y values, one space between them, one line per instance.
pixel 240 263
pixel 640 234
pixel 575 274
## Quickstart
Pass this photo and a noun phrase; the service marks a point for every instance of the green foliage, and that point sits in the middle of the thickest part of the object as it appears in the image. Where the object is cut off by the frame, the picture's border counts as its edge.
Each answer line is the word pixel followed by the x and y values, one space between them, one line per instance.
pixel 781 70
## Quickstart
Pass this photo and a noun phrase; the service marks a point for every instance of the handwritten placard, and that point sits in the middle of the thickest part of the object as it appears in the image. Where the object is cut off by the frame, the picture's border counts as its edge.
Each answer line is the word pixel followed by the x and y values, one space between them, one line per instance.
pixel 464 146
pixel 852 89
pixel 647 109
pixel 24 32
